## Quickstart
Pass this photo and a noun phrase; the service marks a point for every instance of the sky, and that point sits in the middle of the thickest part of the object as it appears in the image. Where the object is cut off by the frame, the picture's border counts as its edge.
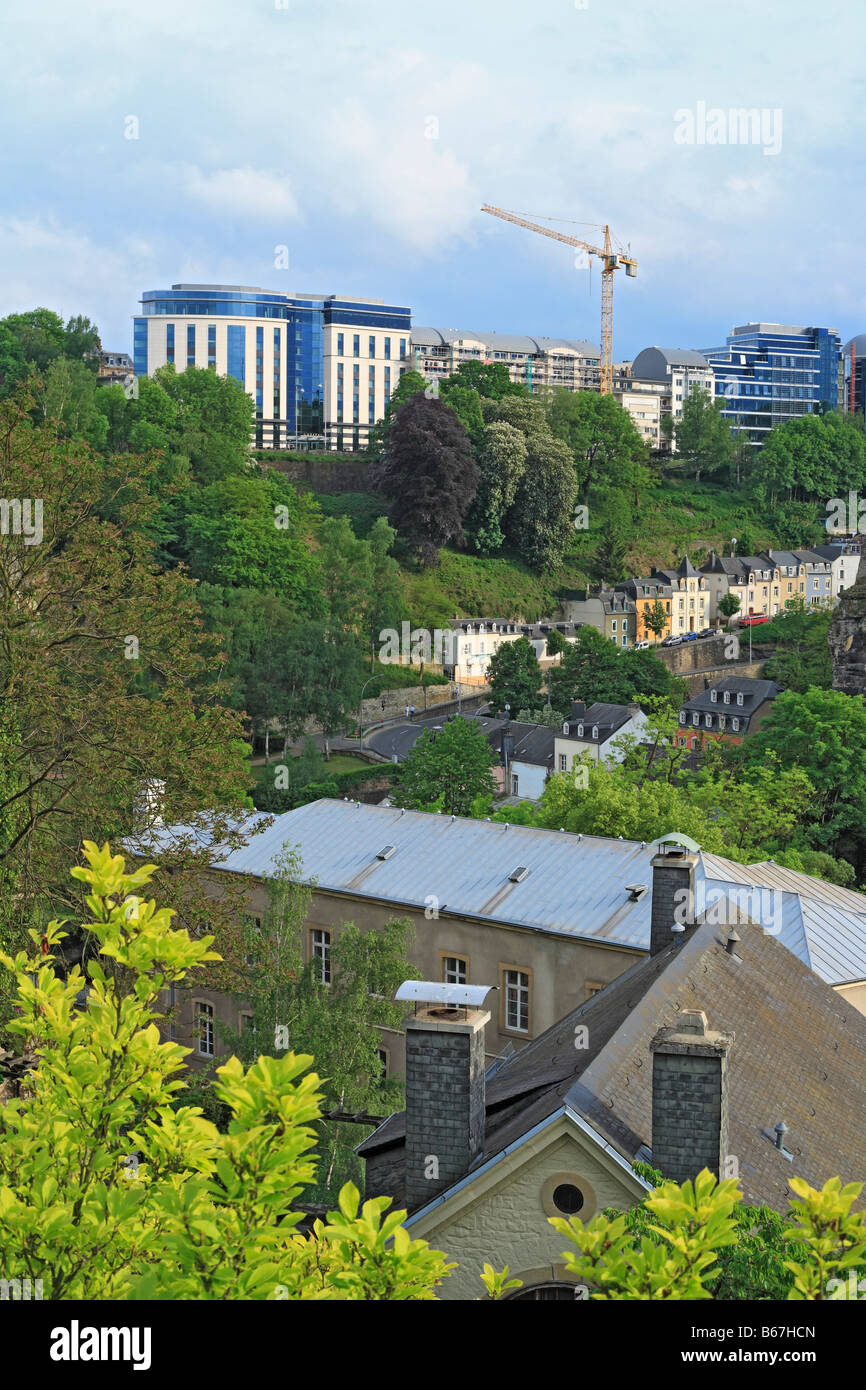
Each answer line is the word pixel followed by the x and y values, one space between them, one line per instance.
pixel 214 142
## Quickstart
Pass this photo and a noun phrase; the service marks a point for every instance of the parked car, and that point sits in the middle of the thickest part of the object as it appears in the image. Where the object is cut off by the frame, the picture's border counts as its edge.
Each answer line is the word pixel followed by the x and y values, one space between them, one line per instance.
pixel 753 619
pixel 672 641
pixel 641 646
pixel 705 632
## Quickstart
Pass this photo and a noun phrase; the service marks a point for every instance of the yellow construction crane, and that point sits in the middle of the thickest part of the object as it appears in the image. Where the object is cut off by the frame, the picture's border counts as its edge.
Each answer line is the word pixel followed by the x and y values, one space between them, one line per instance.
pixel 609 258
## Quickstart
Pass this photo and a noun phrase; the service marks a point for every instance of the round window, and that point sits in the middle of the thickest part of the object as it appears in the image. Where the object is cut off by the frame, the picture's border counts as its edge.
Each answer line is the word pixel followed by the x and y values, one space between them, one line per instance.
pixel 567 1198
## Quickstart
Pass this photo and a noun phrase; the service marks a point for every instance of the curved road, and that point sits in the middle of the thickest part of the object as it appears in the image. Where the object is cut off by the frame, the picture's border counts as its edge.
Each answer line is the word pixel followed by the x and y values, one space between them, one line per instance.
pixel 400 738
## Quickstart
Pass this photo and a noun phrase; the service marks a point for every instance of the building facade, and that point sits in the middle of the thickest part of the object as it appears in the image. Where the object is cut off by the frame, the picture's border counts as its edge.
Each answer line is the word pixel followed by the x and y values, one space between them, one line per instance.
pixel 672 374
pixel 319 368
pixel 610 612
pixel 728 710
pixel 532 362
pixel 645 592
pixel 690 597
pixel 768 373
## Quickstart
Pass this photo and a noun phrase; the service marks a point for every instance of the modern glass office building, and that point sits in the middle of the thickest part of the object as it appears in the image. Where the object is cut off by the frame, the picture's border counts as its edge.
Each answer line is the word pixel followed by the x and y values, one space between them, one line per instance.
pixel 770 372
pixel 292 353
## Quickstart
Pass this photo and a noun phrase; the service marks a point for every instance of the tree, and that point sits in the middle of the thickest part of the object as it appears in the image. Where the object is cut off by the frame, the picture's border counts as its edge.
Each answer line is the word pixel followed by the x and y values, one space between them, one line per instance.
pixel 489 380
pixel 655 618
pixel 812 457
pixel 607 451
pixel 697 1241
pixel 110 682
pixel 429 472
pixel 409 384
pixel 556 643
pixel 594 668
pixel 338 1021
pixel 541 520
pixel 801 655
pixel 515 675
pixel 110 1192
pixel 617 533
pixel 703 435
pixel 501 464
pixel 729 605
pixel 447 769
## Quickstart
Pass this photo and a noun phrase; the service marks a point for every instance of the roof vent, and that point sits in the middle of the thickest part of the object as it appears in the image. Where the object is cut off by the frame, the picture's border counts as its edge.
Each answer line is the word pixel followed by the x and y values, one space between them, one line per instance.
pixel 731 943
pixel 519 874
pixel 780 1130
pixel 387 852
pixel 635 891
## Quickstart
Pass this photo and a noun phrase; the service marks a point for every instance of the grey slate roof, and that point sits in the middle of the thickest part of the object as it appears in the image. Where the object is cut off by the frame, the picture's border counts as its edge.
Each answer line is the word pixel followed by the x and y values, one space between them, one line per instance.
pixel 502 342
pixel 797 1055
pixel 576 886
pixel 533 743
pixel 754 692
pixel 606 718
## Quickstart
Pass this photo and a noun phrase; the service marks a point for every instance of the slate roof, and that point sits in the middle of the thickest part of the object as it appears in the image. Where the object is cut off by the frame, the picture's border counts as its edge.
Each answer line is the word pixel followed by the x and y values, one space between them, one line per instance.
pixel 606 718
pixel 799 1055
pixel 753 690
pixel 533 743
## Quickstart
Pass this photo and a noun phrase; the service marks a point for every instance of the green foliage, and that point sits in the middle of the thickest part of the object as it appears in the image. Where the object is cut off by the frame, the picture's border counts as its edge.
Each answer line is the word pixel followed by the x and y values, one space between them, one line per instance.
pixel 448 769
pixel 594 668
pixel 109 1192
pixel 514 675
pixel 703 436
pixel 834 1238
pixel 502 462
pixel 812 458
pixel 801 655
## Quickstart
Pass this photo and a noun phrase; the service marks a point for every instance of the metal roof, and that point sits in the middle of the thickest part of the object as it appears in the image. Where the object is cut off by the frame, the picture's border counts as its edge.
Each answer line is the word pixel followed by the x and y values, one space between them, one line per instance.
pixel 576 885
pixel 502 342
pixel 435 992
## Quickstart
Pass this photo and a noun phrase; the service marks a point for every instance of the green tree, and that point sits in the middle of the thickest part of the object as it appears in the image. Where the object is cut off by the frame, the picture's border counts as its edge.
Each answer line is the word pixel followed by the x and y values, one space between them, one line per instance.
pixel 110 1192
pixel 514 675
pixel 607 451
pixel 447 769
pixel 490 380
pixel 703 435
pixel 501 464
pixel 655 618
pixel 729 605
pixel 540 523
pixel 801 655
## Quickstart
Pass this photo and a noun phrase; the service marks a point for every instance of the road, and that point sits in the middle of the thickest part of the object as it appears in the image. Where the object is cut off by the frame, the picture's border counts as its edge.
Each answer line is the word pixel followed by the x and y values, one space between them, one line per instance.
pixel 399 738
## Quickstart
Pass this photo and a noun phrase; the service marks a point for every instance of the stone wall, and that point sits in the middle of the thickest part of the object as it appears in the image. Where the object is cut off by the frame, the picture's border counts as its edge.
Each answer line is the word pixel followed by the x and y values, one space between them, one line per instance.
pixel 847 637
pixel 323 472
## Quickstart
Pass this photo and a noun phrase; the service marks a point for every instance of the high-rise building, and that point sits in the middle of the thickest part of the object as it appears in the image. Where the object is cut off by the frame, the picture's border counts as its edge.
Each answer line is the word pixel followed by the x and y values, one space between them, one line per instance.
pixel 855 366
pixel 320 368
pixel 768 373
pixel 531 362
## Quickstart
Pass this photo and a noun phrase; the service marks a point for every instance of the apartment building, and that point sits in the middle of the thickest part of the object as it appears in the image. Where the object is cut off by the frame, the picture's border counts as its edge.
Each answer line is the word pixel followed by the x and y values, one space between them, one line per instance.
pixel 690 597
pixel 671 374
pixel 320 368
pixel 768 373
pixel 532 362
pixel 645 592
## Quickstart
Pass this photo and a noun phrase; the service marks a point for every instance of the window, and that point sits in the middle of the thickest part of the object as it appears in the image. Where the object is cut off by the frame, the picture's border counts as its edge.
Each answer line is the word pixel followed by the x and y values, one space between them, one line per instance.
pixel 382 1057
pixel 190 345
pixel 714 695
pixel 613 625
pixel 708 721
pixel 455 970
pixel 356 345
pixel 696 718
pixel 683 716
pixel 563 762
pixel 727 697
pixel 371 346
pixel 580 731
pixel 595 731
pixel 625 639
pixel 211 344
pixel 387 388
pixel 514 784
pixel 387 348
pixel 592 987
pixel 204 1029
pixel 516 1000
pixel 236 352
pixel 735 725
pixel 169 342
pixel 739 697
pixel 245 1024
pixel 321 951
pixel 339 345
pixel 402 348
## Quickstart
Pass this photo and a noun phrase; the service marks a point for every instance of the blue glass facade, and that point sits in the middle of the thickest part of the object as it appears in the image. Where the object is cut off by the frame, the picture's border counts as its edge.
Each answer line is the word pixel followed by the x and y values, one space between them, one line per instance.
pixel 169 342
pixel 294 403
pixel 190 345
pixel 139 346
pixel 237 352
pixel 769 373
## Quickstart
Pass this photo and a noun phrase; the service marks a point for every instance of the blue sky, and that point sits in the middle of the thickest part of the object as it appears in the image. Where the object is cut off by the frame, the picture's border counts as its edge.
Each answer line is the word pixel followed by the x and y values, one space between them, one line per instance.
pixel 308 124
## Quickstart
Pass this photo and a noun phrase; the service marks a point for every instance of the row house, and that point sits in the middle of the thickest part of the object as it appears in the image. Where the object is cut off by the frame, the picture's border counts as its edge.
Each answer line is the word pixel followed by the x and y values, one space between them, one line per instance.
pixel 727 711
pixel 761 584
pixel 473 641
pixel 611 612
pixel 594 729
pixel 645 592
pixel 690 597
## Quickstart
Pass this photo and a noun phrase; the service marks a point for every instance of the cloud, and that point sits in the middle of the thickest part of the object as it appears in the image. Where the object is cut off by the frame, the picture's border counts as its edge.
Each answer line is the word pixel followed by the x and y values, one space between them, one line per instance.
pixel 244 193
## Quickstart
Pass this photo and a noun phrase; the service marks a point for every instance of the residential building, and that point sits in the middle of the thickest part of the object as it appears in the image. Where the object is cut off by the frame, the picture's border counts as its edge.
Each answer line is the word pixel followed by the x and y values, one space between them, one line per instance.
pixel 727 711
pixel 114 367
pixel 549 916
pixel 525 758
pixel 674 373
pixel 819 577
pixel 642 400
pixel 762 585
pixel 690 597
pixel 768 373
pixel 610 612
pixel 645 592
pixel 844 563
pixel 473 641
pixel 854 358
pixel 536 363
pixel 720 1043
pixel 595 730
pixel 320 368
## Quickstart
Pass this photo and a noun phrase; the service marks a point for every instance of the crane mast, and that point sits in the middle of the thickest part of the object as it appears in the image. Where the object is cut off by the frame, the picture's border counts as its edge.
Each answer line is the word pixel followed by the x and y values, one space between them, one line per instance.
pixel 610 260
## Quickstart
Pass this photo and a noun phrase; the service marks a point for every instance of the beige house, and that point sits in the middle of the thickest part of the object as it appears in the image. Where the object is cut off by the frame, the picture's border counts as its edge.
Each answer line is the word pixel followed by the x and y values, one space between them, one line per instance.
pixel 642 400
pixel 690 597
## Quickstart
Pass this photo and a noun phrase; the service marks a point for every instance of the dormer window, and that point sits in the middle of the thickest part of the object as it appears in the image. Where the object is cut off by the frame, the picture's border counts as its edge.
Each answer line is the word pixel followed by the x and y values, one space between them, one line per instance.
pixel 580 731
pixel 714 695
pixel 735 725
pixel 683 716
pixel 708 721
pixel 739 697
pixel 696 718
pixel 595 731
pixel 565 730
pixel 727 697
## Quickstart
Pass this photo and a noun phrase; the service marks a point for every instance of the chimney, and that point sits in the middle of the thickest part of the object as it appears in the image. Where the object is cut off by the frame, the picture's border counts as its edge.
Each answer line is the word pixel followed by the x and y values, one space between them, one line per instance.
pixel 690 1098
pixel 673 899
pixel 445 1090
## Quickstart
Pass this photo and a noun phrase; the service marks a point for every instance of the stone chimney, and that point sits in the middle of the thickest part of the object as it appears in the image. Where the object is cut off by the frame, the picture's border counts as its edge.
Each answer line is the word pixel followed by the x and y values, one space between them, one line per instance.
pixel 445 1094
pixel 690 1098
pixel 673 899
